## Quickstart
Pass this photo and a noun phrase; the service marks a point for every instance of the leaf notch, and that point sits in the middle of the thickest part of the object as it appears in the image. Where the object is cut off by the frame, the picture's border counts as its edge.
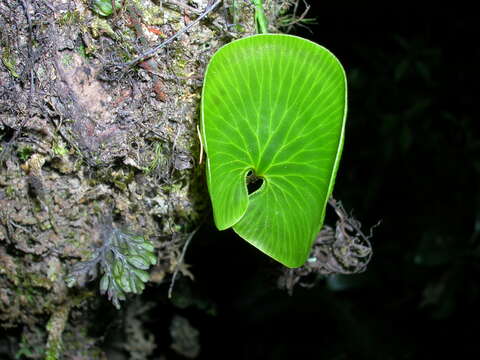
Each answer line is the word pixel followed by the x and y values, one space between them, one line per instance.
pixel 273 108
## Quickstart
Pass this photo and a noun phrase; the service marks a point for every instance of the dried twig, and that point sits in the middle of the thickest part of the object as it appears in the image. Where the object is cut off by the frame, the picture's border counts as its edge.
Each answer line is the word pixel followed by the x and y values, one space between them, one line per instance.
pixel 201 145
pixel 184 6
pixel 50 6
pixel 344 249
pixel 20 227
pixel 180 261
pixel 300 18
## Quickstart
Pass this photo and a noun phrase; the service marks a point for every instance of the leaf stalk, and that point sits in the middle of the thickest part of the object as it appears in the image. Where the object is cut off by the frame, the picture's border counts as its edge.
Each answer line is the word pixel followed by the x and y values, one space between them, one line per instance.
pixel 260 17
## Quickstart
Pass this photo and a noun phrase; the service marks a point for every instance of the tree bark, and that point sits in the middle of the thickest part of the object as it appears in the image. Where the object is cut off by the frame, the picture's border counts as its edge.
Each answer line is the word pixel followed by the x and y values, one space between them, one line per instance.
pixel 86 139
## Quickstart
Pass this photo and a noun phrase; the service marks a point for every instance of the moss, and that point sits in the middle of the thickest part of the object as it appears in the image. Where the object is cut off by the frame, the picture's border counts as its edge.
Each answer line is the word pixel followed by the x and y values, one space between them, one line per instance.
pixel 30 288
pixel 152 14
pixel 101 26
pixel 70 18
pixel 157 159
pixel 83 51
pixel 59 148
pixel 55 328
pixel 45 225
pixel 9 61
pixel 10 191
pixel 24 153
pixel 121 178
pixel 67 59
pixel 53 270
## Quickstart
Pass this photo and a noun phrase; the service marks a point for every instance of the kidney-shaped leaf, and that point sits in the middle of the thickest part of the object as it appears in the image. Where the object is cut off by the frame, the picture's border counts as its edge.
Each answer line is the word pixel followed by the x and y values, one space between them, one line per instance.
pixel 274 106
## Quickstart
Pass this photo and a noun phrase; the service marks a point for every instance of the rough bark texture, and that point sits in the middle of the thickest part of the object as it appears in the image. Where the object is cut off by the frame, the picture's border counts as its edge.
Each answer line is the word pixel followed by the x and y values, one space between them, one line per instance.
pixel 84 139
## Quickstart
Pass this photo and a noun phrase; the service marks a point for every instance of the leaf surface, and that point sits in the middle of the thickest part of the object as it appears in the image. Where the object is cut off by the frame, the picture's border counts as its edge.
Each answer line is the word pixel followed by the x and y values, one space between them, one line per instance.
pixel 275 105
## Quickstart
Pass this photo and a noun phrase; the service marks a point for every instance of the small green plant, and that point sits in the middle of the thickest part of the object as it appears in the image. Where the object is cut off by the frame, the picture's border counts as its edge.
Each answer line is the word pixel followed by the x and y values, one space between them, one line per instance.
pixel 27 350
pixel 70 18
pixel 59 149
pixel 273 119
pixel 24 153
pixel 9 61
pixel 67 60
pixel 105 7
pixel 156 159
pixel 122 260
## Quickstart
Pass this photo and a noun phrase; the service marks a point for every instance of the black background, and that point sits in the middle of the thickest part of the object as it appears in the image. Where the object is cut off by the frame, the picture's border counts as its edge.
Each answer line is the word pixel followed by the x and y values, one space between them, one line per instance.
pixel 411 159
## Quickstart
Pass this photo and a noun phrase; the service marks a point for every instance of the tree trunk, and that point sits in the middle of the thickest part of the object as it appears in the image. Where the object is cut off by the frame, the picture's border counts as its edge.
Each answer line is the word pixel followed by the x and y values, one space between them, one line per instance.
pixel 92 133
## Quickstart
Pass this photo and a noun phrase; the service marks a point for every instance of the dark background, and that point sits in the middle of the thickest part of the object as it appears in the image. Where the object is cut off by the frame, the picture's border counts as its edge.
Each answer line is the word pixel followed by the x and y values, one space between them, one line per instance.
pixel 411 159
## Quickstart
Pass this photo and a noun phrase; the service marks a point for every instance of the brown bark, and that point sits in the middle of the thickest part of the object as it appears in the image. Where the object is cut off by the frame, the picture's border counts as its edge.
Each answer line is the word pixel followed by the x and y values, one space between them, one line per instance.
pixel 84 138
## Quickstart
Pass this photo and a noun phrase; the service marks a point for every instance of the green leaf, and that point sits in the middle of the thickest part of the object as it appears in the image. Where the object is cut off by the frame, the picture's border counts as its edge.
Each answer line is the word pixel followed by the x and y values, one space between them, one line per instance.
pixel 139 262
pixel 104 282
pixel 136 238
pixel 274 105
pixel 104 7
pixel 148 246
pixel 141 274
pixel 140 285
pixel 124 282
pixel 152 258
pixel 118 269
pixel 132 280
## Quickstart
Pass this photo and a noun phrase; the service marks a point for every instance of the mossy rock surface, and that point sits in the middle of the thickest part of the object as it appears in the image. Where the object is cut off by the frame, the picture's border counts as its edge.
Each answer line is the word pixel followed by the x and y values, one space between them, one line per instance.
pixel 82 139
